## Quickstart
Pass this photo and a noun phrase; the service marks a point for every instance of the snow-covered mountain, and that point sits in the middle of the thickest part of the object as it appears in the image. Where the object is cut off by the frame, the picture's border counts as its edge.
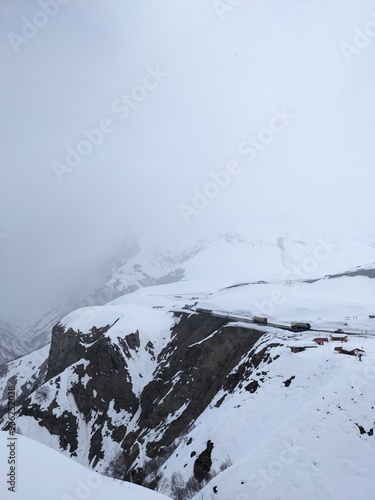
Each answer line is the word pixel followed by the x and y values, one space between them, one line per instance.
pixel 150 389
pixel 239 255
pixel 130 268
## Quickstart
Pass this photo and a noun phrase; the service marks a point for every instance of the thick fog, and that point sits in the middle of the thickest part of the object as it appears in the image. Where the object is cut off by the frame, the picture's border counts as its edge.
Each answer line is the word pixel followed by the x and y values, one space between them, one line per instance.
pixel 174 119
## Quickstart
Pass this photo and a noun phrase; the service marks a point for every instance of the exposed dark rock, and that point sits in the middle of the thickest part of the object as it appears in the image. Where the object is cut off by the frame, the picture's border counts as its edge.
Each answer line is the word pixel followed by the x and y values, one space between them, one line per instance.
pixel 133 340
pixel 96 450
pixel 151 395
pixel 65 350
pixel 108 382
pixel 203 463
pixel 119 433
pixel 150 348
pixel 234 379
pixel 67 347
pixel 130 342
pixel 172 277
pixel 289 381
pixel 220 401
pixel 203 357
pixel 26 389
pixel 203 369
pixel 253 386
pixel 262 355
pixel 361 429
pixel 65 425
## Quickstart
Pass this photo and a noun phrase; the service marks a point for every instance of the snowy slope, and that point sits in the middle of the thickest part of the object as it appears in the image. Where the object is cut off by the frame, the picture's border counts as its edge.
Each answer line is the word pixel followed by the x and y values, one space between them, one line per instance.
pixel 11 342
pixel 300 441
pixel 26 374
pixel 44 474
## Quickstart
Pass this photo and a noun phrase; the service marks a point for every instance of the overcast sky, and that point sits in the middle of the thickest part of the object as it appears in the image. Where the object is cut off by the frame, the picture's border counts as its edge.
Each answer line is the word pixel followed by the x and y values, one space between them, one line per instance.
pixel 204 78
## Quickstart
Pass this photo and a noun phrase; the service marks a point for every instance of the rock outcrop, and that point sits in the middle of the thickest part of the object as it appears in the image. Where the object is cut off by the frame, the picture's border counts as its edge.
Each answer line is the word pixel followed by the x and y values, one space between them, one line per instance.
pixel 89 398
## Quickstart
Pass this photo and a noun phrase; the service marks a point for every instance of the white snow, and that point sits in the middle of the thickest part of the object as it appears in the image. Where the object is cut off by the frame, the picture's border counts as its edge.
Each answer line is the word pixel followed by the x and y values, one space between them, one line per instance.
pixel 324 302
pixel 45 474
pixel 293 442
pixel 294 437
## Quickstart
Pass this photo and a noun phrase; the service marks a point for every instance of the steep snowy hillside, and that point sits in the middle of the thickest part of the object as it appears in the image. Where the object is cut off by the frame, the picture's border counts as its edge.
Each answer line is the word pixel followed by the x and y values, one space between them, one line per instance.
pixel 11 342
pixel 162 388
pixel 43 474
pixel 301 425
pixel 26 374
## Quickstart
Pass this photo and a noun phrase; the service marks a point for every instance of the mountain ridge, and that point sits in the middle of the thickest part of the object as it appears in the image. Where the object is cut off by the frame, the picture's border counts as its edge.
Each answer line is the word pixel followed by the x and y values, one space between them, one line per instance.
pixel 234 253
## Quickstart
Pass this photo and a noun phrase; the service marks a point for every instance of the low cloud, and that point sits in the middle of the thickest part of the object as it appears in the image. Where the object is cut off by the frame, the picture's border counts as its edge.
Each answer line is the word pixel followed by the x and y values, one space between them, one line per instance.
pixel 225 76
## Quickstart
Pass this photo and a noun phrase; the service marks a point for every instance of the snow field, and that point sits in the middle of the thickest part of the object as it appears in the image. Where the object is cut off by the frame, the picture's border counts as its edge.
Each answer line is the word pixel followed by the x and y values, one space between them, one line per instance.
pixel 45 474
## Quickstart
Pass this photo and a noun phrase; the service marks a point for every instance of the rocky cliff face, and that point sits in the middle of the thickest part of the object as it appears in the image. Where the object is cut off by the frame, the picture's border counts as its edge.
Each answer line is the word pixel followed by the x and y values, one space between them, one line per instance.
pixel 91 400
pixel 192 368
